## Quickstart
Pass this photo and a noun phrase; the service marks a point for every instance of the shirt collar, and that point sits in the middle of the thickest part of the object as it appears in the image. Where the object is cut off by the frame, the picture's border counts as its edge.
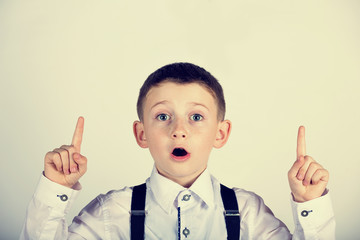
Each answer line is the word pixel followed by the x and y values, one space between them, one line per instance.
pixel 203 187
pixel 165 191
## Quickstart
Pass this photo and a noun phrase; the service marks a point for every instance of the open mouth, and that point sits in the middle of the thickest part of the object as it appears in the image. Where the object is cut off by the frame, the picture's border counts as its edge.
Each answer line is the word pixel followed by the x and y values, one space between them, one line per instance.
pixel 180 154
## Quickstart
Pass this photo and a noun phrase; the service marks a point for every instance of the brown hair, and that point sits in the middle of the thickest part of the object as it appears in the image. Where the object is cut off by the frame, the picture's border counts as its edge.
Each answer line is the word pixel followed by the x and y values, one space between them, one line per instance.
pixel 183 73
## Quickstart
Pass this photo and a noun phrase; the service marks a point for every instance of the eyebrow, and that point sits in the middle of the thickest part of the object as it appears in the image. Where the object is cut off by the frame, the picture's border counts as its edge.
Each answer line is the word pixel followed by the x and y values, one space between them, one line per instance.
pixel 199 104
pixel 191 103
pixel 159 103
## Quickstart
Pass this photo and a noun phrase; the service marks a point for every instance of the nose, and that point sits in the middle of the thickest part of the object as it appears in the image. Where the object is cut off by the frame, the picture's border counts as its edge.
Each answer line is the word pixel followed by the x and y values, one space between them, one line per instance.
pixel 179 131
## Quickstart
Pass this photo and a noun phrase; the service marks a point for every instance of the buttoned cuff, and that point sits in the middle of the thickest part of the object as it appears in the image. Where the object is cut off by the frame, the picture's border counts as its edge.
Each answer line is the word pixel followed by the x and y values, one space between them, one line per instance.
pixel 313 214
pixel 55 195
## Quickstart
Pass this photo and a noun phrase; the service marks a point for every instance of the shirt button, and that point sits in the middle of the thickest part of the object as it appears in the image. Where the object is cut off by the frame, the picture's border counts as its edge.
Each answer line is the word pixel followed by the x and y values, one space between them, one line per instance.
pixel 186 232
pixel 63 197
pixel 305 213
pixel 186 197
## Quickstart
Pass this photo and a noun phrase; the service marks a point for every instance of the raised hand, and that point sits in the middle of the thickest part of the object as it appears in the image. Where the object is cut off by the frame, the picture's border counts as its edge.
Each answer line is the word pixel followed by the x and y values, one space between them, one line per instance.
pixel 65 165
pixel 307 178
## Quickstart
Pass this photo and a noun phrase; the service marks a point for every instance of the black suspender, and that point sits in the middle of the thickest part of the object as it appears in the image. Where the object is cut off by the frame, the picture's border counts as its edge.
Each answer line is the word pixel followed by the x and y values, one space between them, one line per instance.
pixel 137 224
pixel 232 215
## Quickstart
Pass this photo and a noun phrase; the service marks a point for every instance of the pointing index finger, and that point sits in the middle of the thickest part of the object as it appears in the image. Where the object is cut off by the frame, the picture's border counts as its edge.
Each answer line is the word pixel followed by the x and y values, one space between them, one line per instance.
pixel 301 147
pixel 77 138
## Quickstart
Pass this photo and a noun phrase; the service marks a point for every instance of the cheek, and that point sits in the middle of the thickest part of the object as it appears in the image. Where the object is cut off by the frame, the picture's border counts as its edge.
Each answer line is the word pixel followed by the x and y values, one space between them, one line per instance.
pixel 207 138
pixel 209 130
pixel 155 135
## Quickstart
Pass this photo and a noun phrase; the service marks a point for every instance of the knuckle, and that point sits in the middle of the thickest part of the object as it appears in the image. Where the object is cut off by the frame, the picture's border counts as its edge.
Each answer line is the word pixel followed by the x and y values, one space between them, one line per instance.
pixel 69 148
pixel 323 171
pixel 309 158
pixel 304 168
pixel 49 155
pixel 313 165
pixel 64 154
pixel 65 161
pixel 56 159
pixel 316 165
pixel 56 156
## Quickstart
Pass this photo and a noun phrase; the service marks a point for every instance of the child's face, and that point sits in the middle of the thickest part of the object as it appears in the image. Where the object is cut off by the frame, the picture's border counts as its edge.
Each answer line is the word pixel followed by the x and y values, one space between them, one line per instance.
pixel 180 128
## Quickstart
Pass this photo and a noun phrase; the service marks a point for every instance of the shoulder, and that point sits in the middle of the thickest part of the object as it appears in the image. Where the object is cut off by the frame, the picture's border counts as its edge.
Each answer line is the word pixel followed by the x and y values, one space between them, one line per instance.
pixel 105 206
pixel 248 199
pixel 245 195
pixel 119 197
pixel 103 212
pixel 122 195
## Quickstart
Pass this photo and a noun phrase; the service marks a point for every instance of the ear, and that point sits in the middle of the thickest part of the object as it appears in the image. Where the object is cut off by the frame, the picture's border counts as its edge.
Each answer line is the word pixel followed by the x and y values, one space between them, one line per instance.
pixel 223 133
pixel 139 133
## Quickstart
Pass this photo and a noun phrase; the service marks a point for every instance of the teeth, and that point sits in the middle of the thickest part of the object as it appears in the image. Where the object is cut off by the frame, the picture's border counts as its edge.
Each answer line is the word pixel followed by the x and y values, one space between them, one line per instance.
pixel 179 152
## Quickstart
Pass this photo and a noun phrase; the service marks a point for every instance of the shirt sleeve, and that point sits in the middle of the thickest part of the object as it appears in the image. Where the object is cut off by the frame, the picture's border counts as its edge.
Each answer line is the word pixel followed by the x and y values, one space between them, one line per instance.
pixel 45 216
pixel 257 220
pixel 313 219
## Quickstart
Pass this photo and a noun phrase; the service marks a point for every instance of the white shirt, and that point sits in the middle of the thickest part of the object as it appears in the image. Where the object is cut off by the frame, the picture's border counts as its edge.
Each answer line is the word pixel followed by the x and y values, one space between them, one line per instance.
pixel 201 213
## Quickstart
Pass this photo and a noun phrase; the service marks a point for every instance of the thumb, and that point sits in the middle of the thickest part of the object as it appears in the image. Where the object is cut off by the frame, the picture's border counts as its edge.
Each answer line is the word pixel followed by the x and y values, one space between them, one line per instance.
pixel 81 161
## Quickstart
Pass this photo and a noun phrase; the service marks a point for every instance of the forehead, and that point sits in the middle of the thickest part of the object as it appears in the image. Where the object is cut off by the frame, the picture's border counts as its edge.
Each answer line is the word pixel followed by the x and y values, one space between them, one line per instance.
pixel 180 93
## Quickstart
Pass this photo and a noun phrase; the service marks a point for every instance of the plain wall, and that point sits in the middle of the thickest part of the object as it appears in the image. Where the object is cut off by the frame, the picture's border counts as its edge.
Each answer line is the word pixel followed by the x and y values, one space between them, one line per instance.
pixel 282 64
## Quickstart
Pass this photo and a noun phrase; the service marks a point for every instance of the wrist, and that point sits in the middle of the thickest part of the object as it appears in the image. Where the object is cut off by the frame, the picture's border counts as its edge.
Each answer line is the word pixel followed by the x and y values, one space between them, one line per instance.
pixel 62 183
pixel 301 199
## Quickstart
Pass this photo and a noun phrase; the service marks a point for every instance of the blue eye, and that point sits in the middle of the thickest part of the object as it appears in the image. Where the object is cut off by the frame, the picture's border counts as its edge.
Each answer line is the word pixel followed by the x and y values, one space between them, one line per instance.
pixel 163 117
pixel 196 117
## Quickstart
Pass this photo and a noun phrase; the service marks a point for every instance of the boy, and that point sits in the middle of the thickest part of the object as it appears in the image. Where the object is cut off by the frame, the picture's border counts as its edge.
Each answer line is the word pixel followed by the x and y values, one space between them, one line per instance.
pixel 181 111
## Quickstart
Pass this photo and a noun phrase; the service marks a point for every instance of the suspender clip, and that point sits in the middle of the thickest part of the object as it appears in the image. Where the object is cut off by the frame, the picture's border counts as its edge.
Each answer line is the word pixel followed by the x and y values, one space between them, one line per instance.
pixel 231 213
pixel 138 212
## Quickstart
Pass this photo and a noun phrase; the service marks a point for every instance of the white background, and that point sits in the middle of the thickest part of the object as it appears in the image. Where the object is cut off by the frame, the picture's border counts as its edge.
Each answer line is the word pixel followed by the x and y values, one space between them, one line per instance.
pixel 281 63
